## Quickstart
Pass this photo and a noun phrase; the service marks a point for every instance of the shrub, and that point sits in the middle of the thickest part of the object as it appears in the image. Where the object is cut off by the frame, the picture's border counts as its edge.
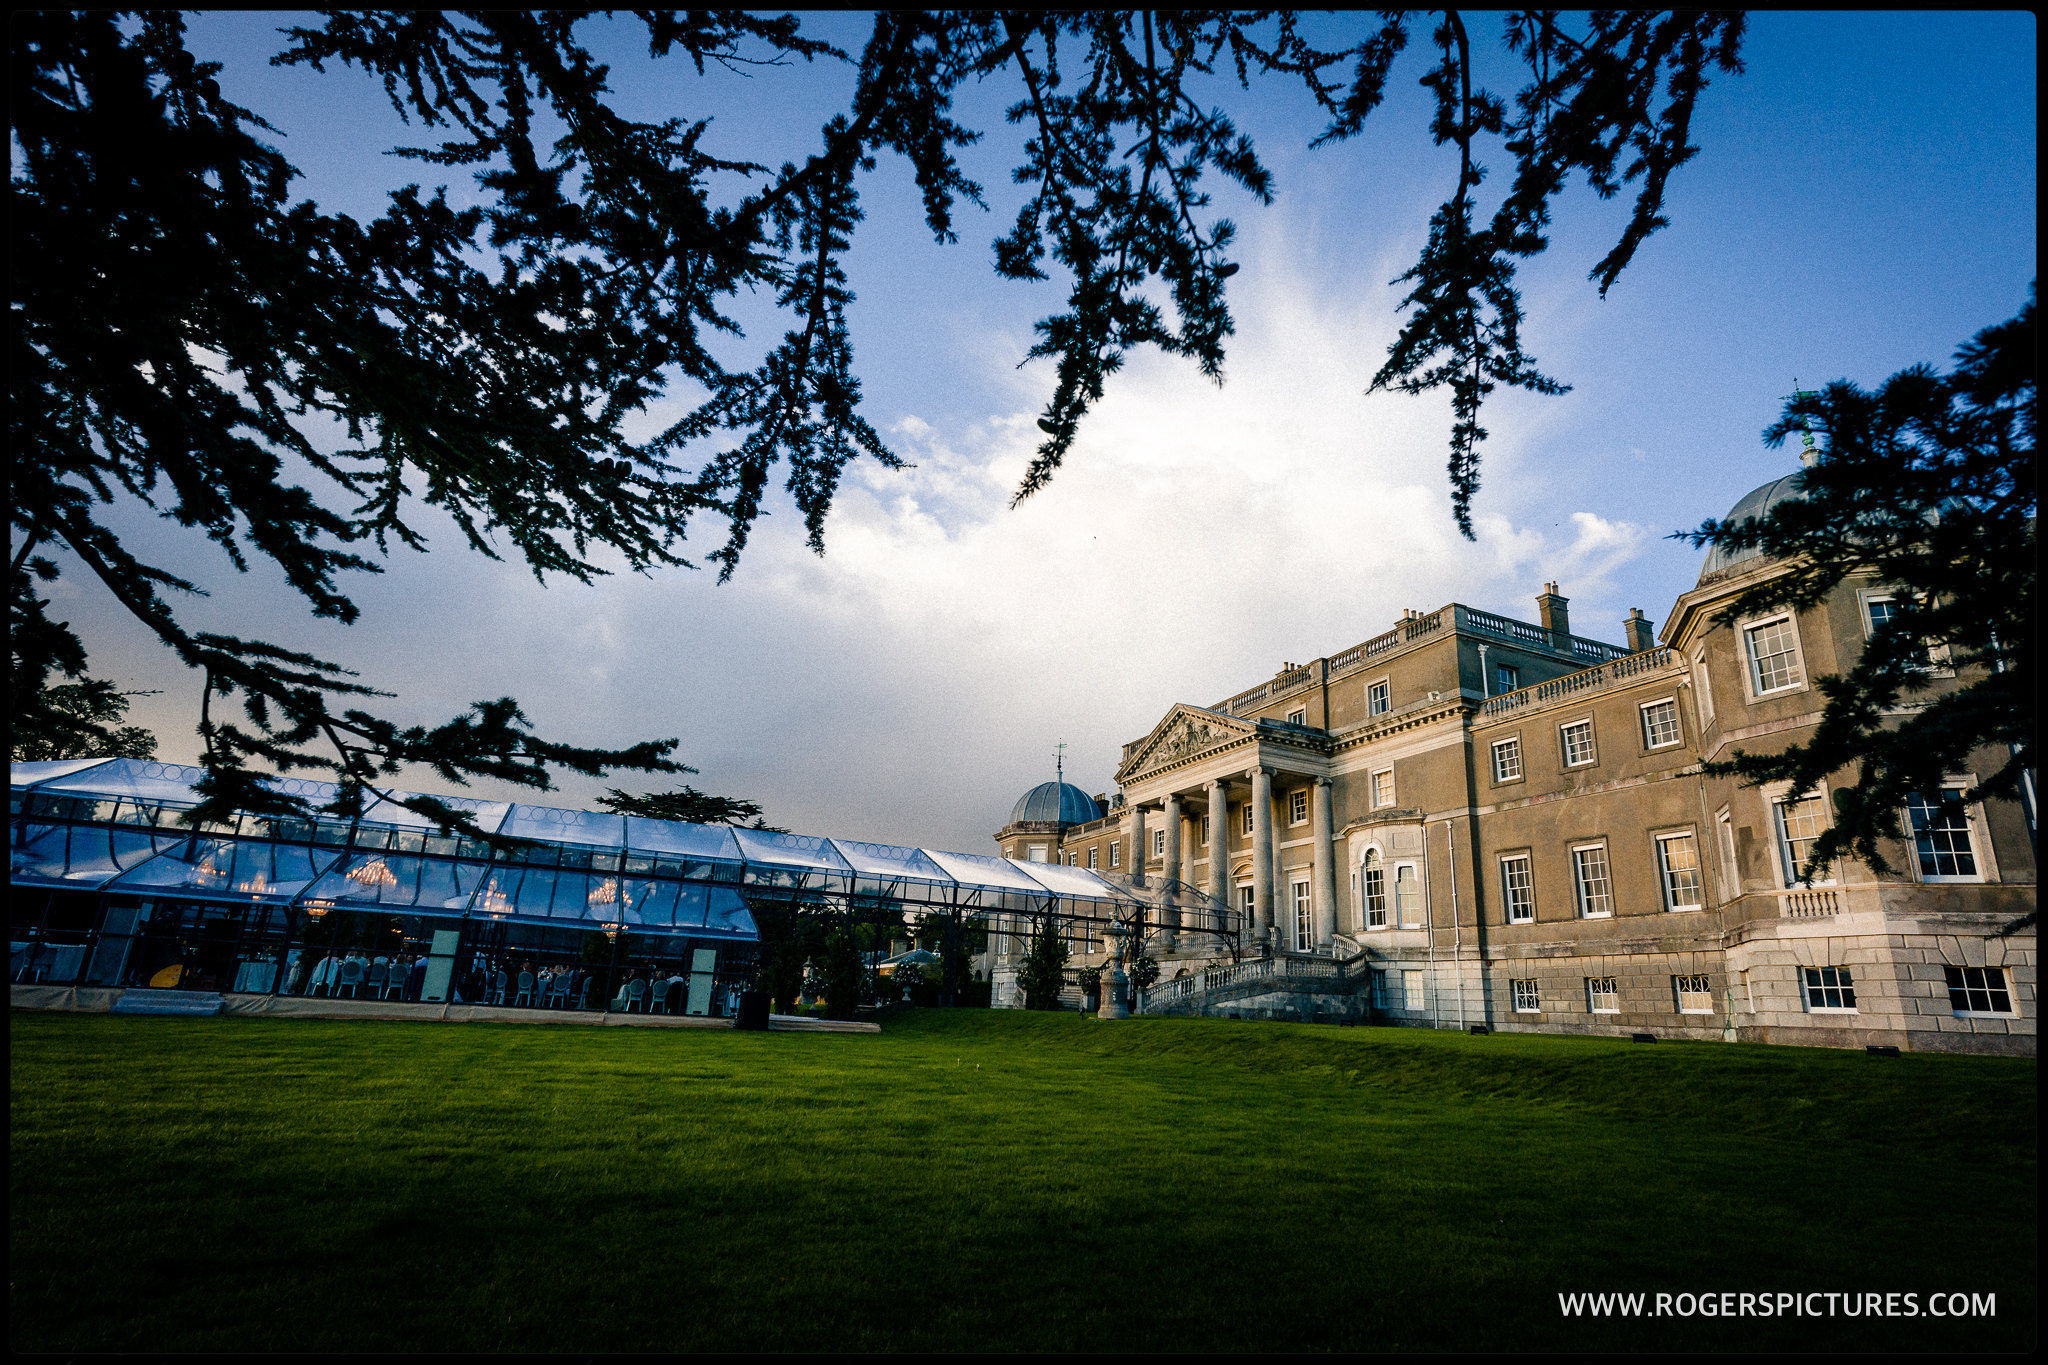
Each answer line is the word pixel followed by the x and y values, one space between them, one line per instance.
pixel 1142 971
pixel 1045 968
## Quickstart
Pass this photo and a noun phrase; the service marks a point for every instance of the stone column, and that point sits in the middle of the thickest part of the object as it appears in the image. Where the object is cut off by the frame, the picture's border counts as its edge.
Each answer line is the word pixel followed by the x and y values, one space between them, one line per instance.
pixel 1137 828
pixel 1324 887
pixel 1219 842
pixel 1262 856
pixel 1172 869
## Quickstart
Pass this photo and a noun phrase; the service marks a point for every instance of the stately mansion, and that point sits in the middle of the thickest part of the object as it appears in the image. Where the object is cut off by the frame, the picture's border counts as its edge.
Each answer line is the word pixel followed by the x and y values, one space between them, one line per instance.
pixel 1475 820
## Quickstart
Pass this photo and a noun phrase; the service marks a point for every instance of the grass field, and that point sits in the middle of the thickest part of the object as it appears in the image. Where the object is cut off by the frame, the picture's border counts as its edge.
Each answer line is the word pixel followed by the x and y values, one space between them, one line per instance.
pixel 976 1180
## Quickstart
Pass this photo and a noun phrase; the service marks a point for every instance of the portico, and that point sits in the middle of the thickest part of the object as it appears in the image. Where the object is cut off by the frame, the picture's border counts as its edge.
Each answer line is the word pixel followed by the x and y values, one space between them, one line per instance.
pixel 1254 784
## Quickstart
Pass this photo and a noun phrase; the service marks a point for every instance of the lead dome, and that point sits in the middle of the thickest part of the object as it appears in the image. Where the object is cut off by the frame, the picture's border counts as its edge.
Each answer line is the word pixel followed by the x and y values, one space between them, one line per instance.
pixel 1756 502
pixel 1060 803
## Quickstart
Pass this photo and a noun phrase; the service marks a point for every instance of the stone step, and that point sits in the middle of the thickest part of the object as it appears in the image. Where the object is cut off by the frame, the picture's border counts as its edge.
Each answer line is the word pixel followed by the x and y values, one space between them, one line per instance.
pixel 141 1000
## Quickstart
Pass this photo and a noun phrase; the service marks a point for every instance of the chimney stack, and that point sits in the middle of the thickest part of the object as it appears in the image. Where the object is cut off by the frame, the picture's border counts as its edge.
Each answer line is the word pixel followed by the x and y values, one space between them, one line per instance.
pixel 1556 620
pixel 1638 631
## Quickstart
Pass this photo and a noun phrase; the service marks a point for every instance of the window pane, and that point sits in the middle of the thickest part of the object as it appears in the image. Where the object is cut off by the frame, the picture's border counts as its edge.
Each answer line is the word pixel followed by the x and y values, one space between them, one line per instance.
pixel 1519 890
pixel 1589 866
pixel 1408 896
pixel 1694 996
pixel 1829 988
pixel 1678 857
pixel 1507 760
pixel 1799 825
pixel 1941 837
pixel 1978 990
pixel 1660 724
pixel 1773 655
pixel 1375 898
pixel 1578 743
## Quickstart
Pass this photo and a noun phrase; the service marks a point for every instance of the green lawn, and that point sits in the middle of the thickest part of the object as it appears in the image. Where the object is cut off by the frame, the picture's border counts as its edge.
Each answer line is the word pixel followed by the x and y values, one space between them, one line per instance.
pixel 982 1180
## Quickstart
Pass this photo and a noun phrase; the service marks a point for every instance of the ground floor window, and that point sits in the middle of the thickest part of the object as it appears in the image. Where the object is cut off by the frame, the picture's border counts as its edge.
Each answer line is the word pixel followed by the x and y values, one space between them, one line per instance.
pixel 1525 997
pixel 1603 995
pixel 1411 991
pixel 1304 919
pixel 1829 988
pixel 1408 896
pixel 1247 905
pixel 1375 880
pixel 1695 996
pixel 1978 990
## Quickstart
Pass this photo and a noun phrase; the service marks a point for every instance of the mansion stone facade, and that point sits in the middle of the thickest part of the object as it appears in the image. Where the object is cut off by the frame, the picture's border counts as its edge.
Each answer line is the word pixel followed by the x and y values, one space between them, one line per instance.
pixel 1508 825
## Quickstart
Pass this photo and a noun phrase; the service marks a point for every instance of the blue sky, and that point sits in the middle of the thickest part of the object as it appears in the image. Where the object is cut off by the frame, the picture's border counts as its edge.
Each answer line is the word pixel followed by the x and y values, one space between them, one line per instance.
pixel 1863 200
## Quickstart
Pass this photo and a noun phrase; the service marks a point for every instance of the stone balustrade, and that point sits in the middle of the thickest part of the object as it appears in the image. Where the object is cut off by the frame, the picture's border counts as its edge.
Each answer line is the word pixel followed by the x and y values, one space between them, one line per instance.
pixel 1455 616
pixel 1597 678
pixel 1213 979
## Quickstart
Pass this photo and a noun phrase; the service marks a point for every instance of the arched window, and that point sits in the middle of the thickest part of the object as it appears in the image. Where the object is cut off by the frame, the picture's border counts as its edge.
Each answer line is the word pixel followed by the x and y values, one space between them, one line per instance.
pixel 1372 880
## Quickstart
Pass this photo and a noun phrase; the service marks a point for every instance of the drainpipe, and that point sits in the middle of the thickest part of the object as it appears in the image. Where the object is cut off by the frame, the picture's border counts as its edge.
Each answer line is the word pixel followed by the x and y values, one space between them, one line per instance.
pixel 1457 927
pixel 1428 921
pixel 1485 678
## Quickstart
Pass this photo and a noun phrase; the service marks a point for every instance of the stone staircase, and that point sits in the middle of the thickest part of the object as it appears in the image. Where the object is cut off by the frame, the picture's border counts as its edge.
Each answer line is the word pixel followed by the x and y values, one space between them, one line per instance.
pixel 1286 986
pixel 194 1003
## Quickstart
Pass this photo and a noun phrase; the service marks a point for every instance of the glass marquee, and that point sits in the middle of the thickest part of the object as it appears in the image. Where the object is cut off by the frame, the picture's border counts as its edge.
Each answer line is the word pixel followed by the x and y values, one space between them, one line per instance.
pixel 113 825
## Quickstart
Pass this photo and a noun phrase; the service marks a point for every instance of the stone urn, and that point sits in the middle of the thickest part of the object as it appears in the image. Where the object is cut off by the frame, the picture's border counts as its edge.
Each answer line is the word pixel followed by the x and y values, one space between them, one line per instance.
pixel 1116 987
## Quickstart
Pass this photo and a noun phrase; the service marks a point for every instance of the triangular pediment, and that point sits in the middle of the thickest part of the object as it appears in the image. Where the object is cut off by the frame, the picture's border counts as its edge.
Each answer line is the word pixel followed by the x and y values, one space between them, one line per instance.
pixel 1185 732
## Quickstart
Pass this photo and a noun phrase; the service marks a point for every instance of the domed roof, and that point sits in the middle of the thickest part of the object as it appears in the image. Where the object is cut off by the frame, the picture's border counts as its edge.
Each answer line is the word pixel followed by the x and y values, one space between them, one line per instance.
pixel 1056 802
pixel 1755 503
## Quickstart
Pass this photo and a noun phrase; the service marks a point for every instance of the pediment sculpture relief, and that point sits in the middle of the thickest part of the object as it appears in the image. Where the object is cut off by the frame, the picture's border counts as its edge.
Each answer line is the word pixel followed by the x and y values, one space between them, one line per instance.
pixel 1186 738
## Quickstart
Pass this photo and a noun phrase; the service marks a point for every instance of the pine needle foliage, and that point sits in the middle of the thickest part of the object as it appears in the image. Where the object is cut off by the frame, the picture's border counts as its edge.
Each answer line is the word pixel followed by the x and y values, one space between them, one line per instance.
pixel 1929 483
pixel 297 385
pixel 691 807
pixel 1044 971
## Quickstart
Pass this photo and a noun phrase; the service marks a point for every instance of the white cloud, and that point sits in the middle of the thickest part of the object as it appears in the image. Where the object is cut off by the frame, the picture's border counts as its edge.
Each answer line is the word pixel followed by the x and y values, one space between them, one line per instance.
pixel 911 683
